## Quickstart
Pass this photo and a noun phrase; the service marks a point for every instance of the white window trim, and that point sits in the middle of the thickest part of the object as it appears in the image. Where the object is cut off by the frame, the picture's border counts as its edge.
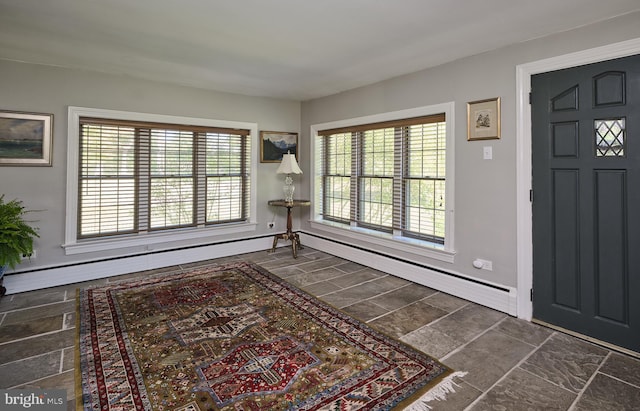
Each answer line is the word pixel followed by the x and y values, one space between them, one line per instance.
pixel 422 248
pixel 151 240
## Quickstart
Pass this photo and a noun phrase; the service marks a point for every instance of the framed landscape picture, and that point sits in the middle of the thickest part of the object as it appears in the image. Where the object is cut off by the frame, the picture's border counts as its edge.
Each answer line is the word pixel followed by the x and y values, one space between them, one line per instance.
pixel 273 144
pixel 25 139
pixel 483 119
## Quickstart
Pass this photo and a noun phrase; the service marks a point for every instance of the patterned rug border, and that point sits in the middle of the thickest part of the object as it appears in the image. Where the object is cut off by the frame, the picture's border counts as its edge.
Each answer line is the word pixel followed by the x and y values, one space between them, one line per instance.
pixel 77 372
pixel 415 401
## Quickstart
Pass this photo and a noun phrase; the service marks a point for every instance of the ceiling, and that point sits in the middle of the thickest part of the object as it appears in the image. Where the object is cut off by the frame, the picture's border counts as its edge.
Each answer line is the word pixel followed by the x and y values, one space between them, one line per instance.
pixel 293 49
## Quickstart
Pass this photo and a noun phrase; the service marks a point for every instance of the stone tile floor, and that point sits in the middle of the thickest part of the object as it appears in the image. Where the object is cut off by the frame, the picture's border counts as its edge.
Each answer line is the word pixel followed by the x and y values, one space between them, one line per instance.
pixel 511 364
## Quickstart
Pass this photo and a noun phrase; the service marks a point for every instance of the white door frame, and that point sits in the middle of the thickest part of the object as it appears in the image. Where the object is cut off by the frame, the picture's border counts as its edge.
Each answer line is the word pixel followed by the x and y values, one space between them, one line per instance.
pixel 523 153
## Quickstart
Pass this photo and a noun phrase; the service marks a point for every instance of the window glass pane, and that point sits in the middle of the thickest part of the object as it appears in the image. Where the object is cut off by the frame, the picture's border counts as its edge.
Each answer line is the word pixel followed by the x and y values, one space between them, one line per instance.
pixel 426 152
pixel 376 202
pixel 171 202
pixel 425 207
pixel 224 154
pixel 337 197
pixel 107 206
pixel 171 153
pixel 610 141
pixel 377 152
pixel 224 199
pixel 339 154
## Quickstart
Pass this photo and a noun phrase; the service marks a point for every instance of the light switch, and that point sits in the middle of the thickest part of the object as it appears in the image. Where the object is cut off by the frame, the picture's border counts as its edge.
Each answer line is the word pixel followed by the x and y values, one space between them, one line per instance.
pixel 487 153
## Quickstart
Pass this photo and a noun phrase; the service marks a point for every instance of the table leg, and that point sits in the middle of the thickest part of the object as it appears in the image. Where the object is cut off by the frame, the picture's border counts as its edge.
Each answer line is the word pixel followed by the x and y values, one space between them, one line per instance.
pixel 300 247
pixel 294 246
pixel 275 243
pixel 289 235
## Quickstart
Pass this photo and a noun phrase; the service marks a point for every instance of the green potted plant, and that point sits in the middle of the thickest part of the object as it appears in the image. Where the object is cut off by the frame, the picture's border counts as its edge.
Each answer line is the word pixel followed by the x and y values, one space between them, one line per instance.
pixel 16 235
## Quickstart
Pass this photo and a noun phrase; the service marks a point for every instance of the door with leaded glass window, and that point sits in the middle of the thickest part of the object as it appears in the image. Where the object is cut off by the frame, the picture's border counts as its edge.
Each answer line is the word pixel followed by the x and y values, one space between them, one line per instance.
pixel 586 200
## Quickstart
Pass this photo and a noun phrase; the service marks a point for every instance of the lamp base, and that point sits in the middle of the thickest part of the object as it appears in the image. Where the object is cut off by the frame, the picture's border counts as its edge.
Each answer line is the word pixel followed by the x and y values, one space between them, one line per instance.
pixel 288 189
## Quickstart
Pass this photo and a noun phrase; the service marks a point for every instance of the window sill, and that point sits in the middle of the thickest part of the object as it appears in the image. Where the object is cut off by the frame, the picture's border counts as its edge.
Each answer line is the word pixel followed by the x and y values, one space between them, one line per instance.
pixel 154 241
pixel 408 245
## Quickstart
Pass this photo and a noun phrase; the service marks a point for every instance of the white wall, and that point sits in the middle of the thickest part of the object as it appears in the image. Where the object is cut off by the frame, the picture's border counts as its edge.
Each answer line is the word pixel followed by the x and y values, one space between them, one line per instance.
pixel 485 190
pixel 35 88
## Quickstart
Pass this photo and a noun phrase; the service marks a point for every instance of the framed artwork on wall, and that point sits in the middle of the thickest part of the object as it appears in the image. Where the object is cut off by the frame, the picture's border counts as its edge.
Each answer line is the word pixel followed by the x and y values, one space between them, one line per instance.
pixel 25 138
pixel 273 144
pixel 483 119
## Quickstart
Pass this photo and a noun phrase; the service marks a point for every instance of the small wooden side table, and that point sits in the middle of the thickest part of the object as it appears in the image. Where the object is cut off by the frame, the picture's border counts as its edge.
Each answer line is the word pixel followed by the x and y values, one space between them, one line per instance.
pixel 289 235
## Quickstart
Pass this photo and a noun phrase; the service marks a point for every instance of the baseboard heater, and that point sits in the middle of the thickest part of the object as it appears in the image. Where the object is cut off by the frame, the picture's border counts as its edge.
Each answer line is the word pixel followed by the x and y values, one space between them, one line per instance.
pixel 494 296
pixel 53 276
pixel 490 295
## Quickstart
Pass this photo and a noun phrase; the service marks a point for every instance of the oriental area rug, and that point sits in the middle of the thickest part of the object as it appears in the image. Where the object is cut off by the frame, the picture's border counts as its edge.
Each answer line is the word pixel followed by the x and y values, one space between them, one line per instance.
pixel 235 337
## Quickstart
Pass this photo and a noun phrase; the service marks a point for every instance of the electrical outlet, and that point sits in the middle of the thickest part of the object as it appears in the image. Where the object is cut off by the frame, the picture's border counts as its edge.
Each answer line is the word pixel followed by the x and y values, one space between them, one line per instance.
pixel 270 224
pixel 29 256
pixel 483 264
pixel 487 265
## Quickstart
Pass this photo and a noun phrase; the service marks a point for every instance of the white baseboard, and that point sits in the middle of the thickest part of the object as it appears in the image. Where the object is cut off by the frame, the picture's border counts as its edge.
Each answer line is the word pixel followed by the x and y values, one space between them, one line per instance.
pixel 63 275
pixel 498 297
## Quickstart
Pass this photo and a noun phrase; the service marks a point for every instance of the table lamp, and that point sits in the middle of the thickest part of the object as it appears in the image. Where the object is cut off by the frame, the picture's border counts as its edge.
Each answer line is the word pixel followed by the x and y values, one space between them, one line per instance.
pixel 288 166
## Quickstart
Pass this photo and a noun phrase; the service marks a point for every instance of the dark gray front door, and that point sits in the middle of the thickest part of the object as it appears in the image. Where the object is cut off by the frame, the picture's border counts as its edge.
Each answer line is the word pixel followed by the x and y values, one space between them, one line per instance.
pixel 586 200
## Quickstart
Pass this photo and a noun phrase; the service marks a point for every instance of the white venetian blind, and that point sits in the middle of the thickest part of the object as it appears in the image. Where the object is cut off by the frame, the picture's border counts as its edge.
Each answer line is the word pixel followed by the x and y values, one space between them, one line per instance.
pixel 137 177
pixel 172 187
pixel 387 176
pixel 107 179
pixel 227 180
pixel 336 177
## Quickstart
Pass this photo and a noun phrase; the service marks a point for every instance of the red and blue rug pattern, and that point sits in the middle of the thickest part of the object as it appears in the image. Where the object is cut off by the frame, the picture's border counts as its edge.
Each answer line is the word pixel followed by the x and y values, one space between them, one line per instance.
pixel 235 337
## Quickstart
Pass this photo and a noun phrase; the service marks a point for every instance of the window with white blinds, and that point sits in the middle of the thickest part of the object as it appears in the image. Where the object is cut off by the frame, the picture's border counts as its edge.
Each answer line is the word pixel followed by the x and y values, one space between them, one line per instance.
pixel 137 177
pixel 336 178
pixel 388 176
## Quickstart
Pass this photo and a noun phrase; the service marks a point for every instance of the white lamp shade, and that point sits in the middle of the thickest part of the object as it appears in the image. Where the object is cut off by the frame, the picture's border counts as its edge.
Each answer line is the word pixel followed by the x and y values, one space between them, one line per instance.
pixel 289 165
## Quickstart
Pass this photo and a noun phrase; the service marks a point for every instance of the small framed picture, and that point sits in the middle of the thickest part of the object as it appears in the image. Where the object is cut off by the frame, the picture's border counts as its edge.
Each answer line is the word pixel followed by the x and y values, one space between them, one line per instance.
pixel 25 139
pixel 273 144
pixel 483 119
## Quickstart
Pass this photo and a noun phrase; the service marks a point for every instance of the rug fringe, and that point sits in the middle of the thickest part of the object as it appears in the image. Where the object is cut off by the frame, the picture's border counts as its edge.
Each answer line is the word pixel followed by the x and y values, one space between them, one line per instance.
pixel 439 392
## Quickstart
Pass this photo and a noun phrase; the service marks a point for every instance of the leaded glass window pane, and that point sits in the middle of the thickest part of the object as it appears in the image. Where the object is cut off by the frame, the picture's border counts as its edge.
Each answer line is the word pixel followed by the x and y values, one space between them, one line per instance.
pixel 610 137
